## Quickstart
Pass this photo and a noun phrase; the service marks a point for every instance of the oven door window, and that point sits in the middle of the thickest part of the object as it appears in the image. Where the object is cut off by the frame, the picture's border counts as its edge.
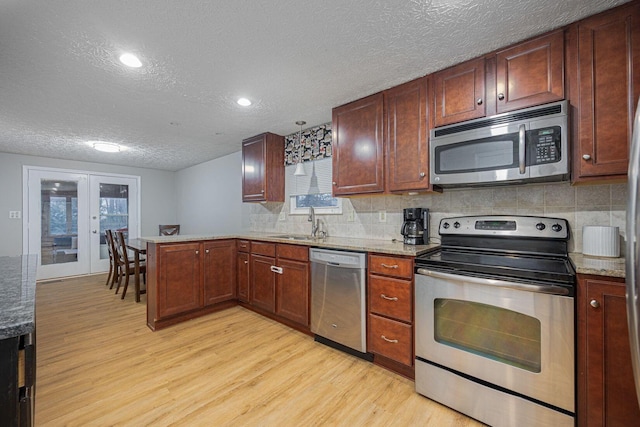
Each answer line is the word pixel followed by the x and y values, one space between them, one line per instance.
pixel 495 333
pixel 493 153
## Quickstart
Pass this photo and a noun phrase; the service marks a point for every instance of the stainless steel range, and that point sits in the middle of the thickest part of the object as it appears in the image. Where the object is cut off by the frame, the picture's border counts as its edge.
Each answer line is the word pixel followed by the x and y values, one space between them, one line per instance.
pixel 495 320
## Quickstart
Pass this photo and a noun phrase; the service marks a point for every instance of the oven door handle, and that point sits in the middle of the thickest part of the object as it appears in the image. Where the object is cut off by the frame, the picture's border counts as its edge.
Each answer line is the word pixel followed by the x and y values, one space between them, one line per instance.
pixel 541 289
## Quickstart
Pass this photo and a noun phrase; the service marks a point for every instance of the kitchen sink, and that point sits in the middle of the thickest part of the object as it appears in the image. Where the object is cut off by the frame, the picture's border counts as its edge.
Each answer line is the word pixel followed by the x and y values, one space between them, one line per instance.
pixel 292 237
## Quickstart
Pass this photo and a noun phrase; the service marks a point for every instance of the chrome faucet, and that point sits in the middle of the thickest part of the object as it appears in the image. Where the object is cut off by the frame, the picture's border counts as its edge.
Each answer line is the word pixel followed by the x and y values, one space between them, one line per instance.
pixel 314 225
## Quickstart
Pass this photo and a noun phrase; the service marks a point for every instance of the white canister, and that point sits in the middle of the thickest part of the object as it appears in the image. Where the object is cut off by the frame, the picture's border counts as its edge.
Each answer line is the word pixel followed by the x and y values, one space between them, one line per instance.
pixel 600 241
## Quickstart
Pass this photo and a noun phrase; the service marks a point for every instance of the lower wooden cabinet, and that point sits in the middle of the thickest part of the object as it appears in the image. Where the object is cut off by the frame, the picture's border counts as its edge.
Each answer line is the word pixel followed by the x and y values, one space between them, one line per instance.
pixel 188 279
pixel 606 391
pixel 390 296
pixel 263 283
pixel 279 280
pixel 242 276
pixel 391 339
pixel 18 376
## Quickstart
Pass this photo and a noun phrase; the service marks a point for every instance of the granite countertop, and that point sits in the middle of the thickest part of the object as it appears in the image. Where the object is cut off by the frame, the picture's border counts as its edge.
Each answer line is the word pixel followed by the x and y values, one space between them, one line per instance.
pixel 18 290
pixel 347 243
pixel 601 266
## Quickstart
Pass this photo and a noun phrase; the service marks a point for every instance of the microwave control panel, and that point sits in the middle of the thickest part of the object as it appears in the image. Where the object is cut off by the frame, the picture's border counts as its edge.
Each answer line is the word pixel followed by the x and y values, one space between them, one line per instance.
pixel 544 145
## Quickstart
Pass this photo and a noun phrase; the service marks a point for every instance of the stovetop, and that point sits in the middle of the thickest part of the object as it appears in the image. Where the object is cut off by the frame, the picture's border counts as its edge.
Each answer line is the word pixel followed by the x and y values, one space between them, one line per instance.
pixel 516 248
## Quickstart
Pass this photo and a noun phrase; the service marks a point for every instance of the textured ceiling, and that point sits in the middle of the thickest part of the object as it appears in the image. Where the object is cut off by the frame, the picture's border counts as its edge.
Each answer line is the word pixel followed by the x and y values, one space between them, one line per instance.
pixel 61 83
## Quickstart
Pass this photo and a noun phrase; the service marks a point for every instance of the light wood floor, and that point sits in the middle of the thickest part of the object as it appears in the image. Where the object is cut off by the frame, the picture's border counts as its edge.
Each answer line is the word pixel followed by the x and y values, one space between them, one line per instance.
pixel 99 365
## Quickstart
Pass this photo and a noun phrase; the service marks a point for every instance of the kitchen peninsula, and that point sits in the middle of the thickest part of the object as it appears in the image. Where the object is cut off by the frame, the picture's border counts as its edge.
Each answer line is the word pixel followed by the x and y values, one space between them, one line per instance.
pixel 17 339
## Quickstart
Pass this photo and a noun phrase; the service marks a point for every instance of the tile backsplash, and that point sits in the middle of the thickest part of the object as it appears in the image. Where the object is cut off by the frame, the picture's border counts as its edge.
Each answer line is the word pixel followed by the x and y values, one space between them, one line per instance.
pixel 580 205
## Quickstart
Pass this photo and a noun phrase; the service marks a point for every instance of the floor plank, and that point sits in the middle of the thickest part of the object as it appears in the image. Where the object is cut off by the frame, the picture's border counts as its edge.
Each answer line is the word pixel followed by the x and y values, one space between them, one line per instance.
pixel 99 365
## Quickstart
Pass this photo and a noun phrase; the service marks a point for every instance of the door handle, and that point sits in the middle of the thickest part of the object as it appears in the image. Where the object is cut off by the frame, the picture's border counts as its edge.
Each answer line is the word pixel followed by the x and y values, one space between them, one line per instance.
pixel 94 231
pixel 521 147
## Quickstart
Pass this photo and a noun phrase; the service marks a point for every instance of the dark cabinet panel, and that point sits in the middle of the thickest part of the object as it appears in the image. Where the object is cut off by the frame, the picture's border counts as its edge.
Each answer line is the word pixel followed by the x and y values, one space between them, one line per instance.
pixel 530 73
pixel 292 291
pixel 459 93
pixel 263 168
pixel 406 136
pixel 605 75
pixel 606 390
pixel 263 282
pixel 243 276
pixel 358 156
pixel 219 271
pixel 179 288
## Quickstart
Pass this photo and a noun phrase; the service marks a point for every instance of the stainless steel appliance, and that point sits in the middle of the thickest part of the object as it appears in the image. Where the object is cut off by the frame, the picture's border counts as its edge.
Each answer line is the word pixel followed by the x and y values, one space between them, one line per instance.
pixel 494 320
pixel 633 252
pixel 525 145
pixel 338 299
pixel 415 227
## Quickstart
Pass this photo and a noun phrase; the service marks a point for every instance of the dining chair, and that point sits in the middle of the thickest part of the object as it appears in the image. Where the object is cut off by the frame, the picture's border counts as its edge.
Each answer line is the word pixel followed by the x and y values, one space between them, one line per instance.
pixel 112 262
pixel 127 265
pixel 169 230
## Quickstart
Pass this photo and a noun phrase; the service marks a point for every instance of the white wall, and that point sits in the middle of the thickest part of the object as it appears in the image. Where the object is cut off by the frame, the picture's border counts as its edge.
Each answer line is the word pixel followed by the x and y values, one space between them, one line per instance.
pixel 209 197
pixel 157 194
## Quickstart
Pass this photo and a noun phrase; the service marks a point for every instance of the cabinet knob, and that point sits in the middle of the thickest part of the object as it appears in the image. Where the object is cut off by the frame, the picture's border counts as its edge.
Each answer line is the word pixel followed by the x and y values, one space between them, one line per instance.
pixel 335 183
pixel 422 174
pixel 586 156
pixel 262 191
pixel 206 251
pixel 501 96
pixel 479 101
pixel 594 303
pixel 197 252
pixel 246 262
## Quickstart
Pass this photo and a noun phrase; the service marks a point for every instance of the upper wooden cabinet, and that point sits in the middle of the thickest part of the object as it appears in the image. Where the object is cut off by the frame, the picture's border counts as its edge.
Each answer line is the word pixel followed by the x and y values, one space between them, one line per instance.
pixel 524 75
pixel 263 168
pixel 604 75
pixel 406 137
pixel 530 73
pixel 358 156
pixel 459 92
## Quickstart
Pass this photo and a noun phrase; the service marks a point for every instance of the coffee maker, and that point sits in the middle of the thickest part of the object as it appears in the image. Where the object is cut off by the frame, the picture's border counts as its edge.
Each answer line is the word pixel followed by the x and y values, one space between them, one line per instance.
pixel 415 227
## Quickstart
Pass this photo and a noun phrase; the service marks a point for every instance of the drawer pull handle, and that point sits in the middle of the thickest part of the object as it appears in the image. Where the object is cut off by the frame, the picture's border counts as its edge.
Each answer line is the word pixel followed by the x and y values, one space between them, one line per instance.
pixel 389 266
pixel 389 298
pixel 388 340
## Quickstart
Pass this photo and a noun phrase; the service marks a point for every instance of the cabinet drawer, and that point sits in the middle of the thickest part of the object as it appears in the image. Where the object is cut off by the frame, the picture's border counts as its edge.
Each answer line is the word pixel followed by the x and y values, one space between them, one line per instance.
pixel 391 266
pixel 391 339
pixel 244 246
pixel 390 297
pixel 300 253
pixel 262 248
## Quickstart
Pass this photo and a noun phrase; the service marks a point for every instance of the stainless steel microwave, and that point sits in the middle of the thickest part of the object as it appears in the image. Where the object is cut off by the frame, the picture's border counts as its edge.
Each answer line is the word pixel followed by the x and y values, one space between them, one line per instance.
pixel 528 145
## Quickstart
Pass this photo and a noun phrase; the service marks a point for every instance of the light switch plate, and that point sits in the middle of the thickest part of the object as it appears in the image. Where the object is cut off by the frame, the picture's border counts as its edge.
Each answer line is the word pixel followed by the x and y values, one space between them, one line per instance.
pixel 350 216
pixel 382 216
pixel 15 214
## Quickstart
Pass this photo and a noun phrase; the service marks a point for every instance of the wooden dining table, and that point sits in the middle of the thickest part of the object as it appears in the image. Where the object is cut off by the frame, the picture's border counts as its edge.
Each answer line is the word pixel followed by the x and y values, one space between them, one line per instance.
pixel 138 247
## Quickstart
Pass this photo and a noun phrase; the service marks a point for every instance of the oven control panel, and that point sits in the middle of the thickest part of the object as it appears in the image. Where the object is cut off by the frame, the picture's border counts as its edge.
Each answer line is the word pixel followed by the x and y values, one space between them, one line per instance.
pixel 506 225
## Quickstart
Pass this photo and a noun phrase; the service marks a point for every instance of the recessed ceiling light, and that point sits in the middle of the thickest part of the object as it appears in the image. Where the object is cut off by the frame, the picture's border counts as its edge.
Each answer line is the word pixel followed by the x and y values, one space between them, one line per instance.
pixel 244 102
pixel 107 147
pixel 130 60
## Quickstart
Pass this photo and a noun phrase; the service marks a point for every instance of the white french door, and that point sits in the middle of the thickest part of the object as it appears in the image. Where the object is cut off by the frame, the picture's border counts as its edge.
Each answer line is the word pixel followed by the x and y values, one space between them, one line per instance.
pixel 67 213
pixel 113 206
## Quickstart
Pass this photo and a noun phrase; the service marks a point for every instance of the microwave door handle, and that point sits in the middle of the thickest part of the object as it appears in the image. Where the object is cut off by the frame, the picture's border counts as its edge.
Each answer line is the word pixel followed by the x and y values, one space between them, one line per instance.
pixel 521 148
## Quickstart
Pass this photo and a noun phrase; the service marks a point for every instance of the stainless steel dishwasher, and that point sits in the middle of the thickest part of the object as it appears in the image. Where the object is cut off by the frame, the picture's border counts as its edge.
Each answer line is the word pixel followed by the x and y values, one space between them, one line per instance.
pixel 338 300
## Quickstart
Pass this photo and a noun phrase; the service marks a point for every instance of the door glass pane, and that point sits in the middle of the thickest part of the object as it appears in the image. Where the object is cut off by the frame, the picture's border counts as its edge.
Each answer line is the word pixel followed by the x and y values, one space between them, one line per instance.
pixel 488 331
pixel 59 221
pixel 114 212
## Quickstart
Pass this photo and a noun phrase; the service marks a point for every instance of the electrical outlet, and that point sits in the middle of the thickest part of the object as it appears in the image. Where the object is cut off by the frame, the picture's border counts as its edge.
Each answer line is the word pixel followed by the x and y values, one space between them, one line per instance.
pixel 382 216
pixel 350 216
pixel 282 216
pixel 14 214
